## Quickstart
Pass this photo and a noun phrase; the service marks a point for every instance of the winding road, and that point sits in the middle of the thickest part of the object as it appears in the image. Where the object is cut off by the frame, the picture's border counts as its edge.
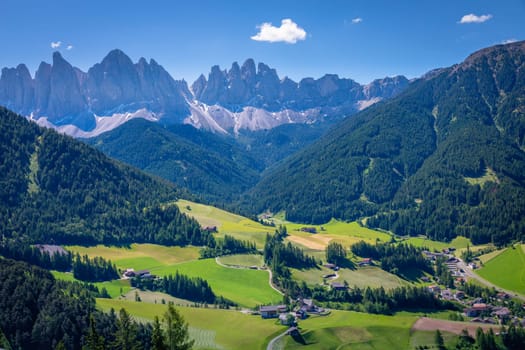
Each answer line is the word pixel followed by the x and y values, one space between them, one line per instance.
pixel 471 274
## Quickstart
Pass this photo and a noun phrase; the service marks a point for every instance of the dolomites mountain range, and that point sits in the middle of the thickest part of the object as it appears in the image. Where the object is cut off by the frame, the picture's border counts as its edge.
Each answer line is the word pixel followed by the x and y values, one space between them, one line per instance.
pixel 116 90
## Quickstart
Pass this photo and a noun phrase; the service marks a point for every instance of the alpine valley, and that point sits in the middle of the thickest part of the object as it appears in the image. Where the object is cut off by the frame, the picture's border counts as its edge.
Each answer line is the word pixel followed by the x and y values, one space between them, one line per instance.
pixel 250 211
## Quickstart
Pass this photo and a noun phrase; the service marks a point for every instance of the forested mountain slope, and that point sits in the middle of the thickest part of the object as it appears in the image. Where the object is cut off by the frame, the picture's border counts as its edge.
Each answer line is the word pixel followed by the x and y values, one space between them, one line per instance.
pixel 56 189
pixel 210 165
pixel 445 158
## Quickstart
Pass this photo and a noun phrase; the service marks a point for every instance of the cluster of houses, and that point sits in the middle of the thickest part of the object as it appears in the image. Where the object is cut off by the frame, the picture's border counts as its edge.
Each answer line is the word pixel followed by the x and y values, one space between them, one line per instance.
pixel 479 310
pixel 289 318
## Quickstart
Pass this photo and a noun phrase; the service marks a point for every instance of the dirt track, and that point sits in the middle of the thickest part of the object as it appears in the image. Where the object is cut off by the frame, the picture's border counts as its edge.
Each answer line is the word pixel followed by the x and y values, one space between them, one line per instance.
pixel 431 324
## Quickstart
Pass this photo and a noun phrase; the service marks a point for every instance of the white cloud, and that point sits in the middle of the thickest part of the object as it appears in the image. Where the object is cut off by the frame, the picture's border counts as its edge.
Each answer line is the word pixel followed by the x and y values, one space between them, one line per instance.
pixel 55 44
pixel 289 32
pixel 357 20
pixel 509 41
pixel 69 47
pixel 472 18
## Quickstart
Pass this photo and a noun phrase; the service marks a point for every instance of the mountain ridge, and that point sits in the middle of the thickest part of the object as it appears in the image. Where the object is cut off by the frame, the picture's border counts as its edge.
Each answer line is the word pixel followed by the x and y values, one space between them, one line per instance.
pixel 86 104
pixel 418 163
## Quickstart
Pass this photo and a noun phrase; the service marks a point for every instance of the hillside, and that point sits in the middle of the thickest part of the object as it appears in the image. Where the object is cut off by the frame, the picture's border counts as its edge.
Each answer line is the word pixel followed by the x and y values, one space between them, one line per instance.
pixel 209 165
pixel 56 189
pixel 444 158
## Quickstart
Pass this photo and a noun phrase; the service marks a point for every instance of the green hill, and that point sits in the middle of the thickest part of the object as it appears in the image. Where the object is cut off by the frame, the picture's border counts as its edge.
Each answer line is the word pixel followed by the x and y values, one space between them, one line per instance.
pixel 210 165
pixel 54 189
pixel 444 158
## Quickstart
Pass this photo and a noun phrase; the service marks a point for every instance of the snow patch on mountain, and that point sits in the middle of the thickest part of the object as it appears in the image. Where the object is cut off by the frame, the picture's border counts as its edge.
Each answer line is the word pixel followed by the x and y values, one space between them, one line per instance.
pixel 103 123
pixel 219 119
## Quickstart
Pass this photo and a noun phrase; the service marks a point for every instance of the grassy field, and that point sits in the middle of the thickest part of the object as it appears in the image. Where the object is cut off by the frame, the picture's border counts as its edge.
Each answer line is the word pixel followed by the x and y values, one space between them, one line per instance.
pixel 140 256
pixel 360 277
pixel 422 338
pixel 489 256
pixel 211 328
pixel 244 286
pixel 489 175
pixel 154 297
pixel 498 271
pixel 354 330
pixel 245 260
pixel 115 288
pixel 458 243
pixel 226 223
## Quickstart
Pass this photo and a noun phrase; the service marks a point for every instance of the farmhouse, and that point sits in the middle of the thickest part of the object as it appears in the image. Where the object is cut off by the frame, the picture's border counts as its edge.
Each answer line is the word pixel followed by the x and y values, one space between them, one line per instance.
pixel 502 313
pixel 129 273
pixel 272 311
pixel 477 309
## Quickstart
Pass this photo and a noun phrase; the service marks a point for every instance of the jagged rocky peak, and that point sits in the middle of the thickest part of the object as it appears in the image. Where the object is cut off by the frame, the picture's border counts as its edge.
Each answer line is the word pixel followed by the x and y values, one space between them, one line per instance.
pixel 65 97
pixel 385 88
pixel 16 87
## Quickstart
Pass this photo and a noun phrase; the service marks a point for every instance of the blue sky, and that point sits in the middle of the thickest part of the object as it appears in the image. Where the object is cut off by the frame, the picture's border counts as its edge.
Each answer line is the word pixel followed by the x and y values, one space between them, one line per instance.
pixel 358 39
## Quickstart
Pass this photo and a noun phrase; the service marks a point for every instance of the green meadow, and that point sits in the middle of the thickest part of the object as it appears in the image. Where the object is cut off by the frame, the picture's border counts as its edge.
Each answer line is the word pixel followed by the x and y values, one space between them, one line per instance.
pixel 362 277
pixel 353 330
pixel 115 288
pixel 245 260
pixel 226 223
pixel 497 271
pixel 244 286
pixel 140 256
pixel 211 328
pixel 458 243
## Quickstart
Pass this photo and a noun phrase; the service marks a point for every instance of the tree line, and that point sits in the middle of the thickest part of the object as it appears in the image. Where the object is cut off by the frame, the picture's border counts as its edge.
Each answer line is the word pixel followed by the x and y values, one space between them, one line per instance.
pixel 181 286
pixel 394 257
pixel 227 245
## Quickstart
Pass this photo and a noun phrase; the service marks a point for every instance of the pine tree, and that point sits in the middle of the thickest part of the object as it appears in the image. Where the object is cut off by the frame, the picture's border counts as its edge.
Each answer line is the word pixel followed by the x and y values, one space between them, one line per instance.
pixel 176 330
pixel 158 341
pixel 438 339
pixel 93 340
pixel 126 336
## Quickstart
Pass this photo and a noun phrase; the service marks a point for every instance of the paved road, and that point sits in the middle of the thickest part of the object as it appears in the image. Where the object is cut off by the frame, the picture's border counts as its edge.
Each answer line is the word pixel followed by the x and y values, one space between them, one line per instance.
pixel 272 342
pixel 471 274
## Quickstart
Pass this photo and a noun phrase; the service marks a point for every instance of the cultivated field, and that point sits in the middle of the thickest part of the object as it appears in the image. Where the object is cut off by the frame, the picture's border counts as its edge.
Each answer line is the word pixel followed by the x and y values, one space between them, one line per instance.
pixel 507 269
pixel 211 328
pixel 431 324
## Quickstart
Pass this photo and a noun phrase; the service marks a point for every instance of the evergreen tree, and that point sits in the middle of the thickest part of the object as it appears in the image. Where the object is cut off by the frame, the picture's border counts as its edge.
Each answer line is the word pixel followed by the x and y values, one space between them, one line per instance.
pixel 335 253
pixel 126 337
pixel 438 339
pixel 158 341
pixel 177 335
pixel 93 340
